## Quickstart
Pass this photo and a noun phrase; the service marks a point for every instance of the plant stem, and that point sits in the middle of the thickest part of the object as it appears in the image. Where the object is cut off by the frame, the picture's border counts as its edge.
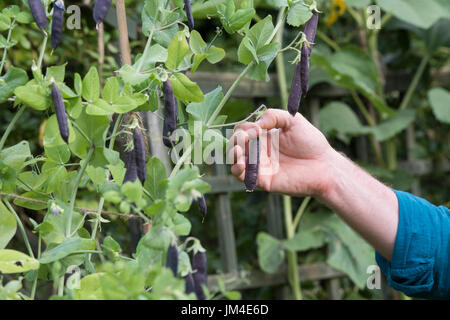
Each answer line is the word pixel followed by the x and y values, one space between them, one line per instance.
pixel 144 54
pixel 5 50
pixel 33 288
pixel 41 54
pixel 21 228
pixel 414 82
pixel 99 212
pixel 238 122
pixel 113 134
pixel 328 40
pixel 75 188
pixel 300 212
pixel 11 125
pixel 291 255
pixel 228 94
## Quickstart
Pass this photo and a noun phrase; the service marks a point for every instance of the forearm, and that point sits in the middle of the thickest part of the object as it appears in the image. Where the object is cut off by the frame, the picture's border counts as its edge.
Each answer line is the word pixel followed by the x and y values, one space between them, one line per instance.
pixel 364 203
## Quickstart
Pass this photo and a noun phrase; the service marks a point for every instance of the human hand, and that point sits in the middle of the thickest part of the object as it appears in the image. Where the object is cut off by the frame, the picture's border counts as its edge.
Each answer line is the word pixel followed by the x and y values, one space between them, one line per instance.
pixel 304 154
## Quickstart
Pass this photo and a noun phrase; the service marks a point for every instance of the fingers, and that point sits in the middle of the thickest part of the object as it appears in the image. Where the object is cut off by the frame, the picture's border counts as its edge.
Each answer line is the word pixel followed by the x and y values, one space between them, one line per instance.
pixel 275 118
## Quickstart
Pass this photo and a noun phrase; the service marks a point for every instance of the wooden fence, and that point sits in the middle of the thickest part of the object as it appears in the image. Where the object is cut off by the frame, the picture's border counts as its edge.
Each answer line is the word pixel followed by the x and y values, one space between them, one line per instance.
pixel 223 184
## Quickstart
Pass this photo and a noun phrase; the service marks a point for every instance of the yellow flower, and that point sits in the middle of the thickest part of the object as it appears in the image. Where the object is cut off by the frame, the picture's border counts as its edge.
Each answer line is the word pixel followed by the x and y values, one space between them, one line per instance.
pixel 337 9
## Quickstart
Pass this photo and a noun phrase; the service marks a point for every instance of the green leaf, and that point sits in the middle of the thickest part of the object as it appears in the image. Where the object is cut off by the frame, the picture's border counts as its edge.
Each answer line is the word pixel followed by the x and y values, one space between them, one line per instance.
pixel 393 125
pixel 90 288
pixel 15 77
pixel 156 173
pixel 420 13
pixel 241 17
pixel 306 240
pixel 182 226
pixel 55 147
pixel 203 110
pixel 299 14
pixel 177 50
pixel 270 252
pixel 215 54
pixel 12 261
pixel 97 175
pixel 66 248
pixel 198 45
pixel 29 204
pixel 265 54
pixel 8 226
pixel 156 53
pixel 185 89
pixel 132 190
pixel 33 95
pixel 440 104
pixel 56 72
pixel 91 85
pixel 16 155
pixel 130 75
pixel 5 22
pixel 99 107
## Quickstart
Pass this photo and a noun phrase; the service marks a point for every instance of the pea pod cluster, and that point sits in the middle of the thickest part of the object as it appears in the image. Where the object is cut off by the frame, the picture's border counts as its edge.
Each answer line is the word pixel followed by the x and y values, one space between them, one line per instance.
pixel 101 10
pixel 60 111
pixel 170 114
pixel 299 85
pixel 57 23
pixel 252 166
pixel 172 259
pixel 38 12
pixel 190 17
pixel 139 147
pixel 200 276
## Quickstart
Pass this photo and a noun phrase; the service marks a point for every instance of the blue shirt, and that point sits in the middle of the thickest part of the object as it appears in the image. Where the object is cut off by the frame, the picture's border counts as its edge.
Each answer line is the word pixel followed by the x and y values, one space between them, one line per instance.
pixel 420 265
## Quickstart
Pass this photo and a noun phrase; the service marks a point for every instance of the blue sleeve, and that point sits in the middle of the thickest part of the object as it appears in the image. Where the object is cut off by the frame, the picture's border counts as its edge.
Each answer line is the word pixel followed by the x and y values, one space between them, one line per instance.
pixel 420 265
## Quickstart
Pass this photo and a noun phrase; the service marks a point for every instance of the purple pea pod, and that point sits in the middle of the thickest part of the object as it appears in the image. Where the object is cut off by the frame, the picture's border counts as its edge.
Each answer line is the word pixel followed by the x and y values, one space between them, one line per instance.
pixel 252 166
pixel 101 10
pixel 38 12
pixel 139 146
pixel 190 285
pixel 201 202
pixel 190 17
pixel 60 111
pixel 295 96
pixel 131 169
pixel 172 259
pixel 57 23
pixel 304 69
pixel 200 276
pixel 311 29
pixel 170 114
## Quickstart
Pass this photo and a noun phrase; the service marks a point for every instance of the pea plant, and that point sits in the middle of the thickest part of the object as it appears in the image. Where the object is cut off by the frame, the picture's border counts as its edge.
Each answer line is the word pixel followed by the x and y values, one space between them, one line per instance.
pixel 94 140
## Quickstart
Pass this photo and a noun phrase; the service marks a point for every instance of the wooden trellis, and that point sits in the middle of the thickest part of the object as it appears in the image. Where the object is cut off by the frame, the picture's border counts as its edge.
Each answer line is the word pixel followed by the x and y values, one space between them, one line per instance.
pixel 223 184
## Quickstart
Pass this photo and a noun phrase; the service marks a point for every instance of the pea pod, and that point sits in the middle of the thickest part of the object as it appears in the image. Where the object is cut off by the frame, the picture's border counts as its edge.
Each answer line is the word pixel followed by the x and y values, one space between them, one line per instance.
pixel 201 202
pixel 38 12
pixel 60 111
pixel 304 70
pixel 190 285
pixel 57 23
pixel 311 29
pixel 295 95
pixel 101 10
pixel 172 259
pixel 252 166
pixel 170 113
pixel 130 166
pixel 200 276
pixel 139 146
pixel 190 17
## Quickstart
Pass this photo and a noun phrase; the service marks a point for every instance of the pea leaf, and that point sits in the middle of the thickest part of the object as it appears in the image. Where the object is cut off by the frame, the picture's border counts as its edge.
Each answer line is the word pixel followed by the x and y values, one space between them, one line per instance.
pixel 299 14
pixel 8 226
pixel 270 252
pixel 91 85
pixel 440 104
pixel 185 89
pixel 14 78
pixel 12 261
pixel 33 95
pixel 177 50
